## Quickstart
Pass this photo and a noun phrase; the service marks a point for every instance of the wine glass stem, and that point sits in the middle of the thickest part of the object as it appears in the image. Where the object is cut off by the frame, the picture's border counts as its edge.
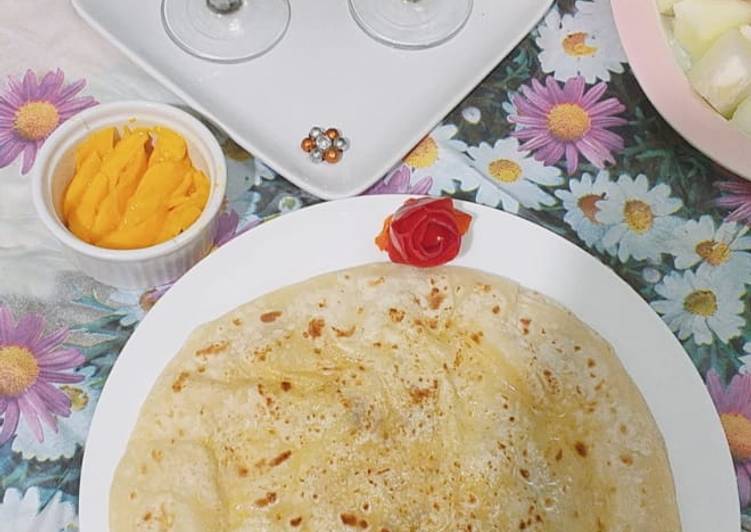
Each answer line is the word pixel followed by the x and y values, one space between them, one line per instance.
pixel 224 7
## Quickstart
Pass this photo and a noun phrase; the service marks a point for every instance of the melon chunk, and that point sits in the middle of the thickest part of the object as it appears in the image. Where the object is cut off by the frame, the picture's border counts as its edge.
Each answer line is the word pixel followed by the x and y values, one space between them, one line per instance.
pixel 666 6
pixel 742 116
pixel 699 23
pixel 723 75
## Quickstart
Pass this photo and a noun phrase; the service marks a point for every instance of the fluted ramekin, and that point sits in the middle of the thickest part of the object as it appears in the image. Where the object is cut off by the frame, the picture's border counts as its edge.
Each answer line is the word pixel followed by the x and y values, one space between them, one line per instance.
pixel 137 268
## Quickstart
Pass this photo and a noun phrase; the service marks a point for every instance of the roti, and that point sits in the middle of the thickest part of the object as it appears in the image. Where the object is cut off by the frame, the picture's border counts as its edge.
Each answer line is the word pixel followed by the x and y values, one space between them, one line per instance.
pixel 388 398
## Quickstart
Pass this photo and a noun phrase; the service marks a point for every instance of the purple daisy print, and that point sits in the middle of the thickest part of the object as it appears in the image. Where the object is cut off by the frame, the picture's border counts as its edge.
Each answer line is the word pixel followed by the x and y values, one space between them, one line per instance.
pixel 31 109
pixel 737 198
pixel 734 405
pixel 558 122
pixel 398 182
pixel 30 363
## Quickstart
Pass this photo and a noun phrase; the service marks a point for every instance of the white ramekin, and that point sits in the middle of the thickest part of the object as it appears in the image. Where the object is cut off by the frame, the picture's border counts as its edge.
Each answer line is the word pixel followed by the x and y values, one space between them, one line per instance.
pixel 138 268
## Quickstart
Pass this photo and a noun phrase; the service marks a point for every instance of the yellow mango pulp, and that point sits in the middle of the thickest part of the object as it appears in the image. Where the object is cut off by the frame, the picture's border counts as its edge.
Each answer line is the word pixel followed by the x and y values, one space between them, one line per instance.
pixel 84 174
pixel 101 142
pixel 153 191
pixel 171 147
pixel 128 194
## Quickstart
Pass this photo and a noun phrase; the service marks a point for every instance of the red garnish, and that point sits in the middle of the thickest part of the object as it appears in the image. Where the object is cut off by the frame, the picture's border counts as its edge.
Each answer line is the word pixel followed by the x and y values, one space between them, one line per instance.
pixel 424 232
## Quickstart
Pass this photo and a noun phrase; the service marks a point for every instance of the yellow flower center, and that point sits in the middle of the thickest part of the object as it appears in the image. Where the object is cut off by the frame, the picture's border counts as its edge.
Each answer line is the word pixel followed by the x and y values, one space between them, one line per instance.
pixel 424 155
pixel 78 398
pixel 588 205
pixel 715 253
pixel 505 171
pixel 18 370
pixel 701 302
pixel 575 45
pixel 568 122
pixel 639 216
pixel 36 120
pixel 738 431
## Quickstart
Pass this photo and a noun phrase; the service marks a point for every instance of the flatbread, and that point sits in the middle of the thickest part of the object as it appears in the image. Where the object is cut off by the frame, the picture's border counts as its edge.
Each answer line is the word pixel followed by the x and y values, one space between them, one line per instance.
pixel 387 398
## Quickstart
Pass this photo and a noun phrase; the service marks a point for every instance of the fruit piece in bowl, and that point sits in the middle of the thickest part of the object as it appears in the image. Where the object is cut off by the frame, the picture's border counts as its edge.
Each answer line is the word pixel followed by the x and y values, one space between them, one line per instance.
pixel 723 74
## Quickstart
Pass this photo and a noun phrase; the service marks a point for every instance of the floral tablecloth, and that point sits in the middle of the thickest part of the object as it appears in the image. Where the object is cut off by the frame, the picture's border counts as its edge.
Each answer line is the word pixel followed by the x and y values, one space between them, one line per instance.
pixel 560 133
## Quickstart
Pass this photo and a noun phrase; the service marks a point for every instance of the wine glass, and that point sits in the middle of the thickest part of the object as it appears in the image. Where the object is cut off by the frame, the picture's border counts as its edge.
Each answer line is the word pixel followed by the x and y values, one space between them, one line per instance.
pixel 411 23
pixel 226 31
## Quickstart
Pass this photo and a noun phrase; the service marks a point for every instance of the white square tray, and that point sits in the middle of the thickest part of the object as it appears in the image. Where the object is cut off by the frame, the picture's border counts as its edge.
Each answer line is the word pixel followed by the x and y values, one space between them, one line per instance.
pixel 326 71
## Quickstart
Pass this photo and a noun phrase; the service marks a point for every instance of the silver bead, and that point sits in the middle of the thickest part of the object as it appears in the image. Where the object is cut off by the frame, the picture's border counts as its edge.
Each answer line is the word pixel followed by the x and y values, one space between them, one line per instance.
pixel 316 132
pixel 323 142
pixel 316 155
pixel 341 143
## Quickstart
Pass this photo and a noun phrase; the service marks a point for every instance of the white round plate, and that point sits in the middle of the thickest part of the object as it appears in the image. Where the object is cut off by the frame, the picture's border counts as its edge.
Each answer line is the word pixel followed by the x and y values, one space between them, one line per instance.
pixel 656 67
pixel 336 235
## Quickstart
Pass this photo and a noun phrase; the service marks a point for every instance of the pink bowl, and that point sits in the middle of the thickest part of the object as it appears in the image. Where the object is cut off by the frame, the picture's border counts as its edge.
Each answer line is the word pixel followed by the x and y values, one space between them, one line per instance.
pixel 656 68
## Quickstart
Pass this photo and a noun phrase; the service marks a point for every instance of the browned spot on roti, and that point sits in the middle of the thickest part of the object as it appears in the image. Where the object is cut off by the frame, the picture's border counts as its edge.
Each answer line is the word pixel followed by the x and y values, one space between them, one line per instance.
pixel 344 333
pixel 396 315
pixel 286 386
pixel 269 317
pixel 213 349
pixel 267 499
pixel 179 383
pixel 581 449
pixel 280 458
pixel 295 522
pixel 348 519
pixel 376 282
pixel 315 326
pixel 435 298
pixel 496 309
pixel 419 395
pixel 237 321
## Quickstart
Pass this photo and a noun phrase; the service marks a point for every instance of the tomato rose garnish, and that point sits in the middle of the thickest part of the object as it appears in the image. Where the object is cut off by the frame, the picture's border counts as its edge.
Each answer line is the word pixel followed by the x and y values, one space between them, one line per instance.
pixel 424 232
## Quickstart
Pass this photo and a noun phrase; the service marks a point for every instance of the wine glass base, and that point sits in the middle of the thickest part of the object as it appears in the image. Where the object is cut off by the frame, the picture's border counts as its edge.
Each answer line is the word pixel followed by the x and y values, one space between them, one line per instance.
pixel 411 24
pixel 239 35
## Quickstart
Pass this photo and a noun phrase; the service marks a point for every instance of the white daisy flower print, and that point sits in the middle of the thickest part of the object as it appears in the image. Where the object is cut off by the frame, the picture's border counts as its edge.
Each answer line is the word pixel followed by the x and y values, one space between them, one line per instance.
pixel 745 369
pixel 700 306
pixel 724 249
pixel 512 177
pixel 472 115
pixel 23 514
pixel 585 44
pixel 509 107
pixel 640 218
pixel 443 158
pixel 128 304
pixel 288 203
pixel 581 203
